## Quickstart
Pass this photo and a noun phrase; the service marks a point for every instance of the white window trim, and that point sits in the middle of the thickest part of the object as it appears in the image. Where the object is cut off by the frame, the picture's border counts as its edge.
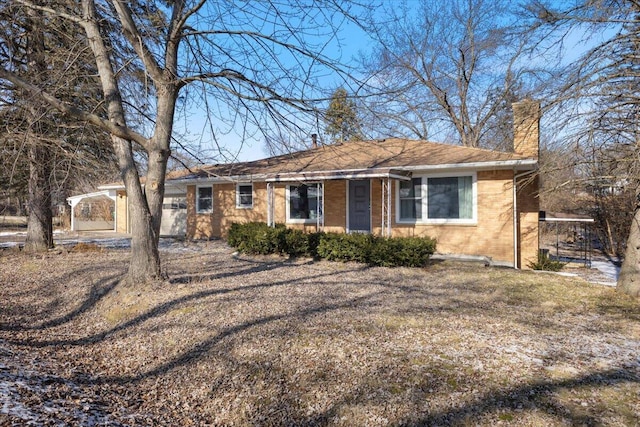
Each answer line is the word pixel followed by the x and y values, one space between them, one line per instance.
pixel 238 204
pixel 288 205
pixel 203 211
pixel 425 197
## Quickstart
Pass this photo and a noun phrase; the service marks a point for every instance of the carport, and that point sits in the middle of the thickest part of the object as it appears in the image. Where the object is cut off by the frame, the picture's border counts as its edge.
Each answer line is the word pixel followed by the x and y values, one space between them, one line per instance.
pixel 91 220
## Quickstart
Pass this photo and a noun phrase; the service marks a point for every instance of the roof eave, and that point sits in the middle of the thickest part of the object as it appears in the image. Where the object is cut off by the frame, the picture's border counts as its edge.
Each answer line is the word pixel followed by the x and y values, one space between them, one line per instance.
pixel 518 164
pixel 334 175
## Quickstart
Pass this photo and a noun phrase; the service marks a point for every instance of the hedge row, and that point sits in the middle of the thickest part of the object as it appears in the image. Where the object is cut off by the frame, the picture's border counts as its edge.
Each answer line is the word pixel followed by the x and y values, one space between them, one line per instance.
pixel 259 238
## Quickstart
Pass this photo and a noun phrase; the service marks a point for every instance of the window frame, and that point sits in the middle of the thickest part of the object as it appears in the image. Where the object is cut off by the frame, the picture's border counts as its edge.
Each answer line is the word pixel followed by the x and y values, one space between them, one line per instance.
pixel 424 219
pixel 239 204
pixel 320 187
pixel 414 198
pixel 198 209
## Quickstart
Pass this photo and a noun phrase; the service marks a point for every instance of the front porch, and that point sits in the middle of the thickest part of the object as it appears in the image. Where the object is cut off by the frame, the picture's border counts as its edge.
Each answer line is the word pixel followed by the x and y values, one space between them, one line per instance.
pixel 354 201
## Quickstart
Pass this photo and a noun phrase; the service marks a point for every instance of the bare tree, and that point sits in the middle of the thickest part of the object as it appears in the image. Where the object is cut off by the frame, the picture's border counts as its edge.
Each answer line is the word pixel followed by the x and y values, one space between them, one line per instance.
pixel 599 100
pixel 34 141
pixel 250 63
pixel 446 69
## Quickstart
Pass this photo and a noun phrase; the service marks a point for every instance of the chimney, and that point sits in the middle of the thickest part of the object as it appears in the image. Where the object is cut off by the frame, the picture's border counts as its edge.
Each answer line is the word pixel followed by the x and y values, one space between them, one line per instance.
pixel 314 140
pixel 526 128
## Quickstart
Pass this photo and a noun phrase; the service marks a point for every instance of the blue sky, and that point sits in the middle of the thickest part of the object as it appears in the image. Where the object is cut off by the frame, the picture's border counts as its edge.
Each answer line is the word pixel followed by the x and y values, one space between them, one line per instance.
pixel 352 41
pixel 234 146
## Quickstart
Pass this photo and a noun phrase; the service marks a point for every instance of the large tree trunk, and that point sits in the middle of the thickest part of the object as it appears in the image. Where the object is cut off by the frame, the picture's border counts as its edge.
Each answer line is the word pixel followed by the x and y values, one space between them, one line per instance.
pixel 40 223
pixel 145 259
pixel 144 265
pixel 629 280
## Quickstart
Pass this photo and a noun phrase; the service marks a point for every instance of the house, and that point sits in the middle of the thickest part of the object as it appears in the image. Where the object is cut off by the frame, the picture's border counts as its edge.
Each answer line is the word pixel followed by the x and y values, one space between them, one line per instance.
pixel 473 201
pixel 174 210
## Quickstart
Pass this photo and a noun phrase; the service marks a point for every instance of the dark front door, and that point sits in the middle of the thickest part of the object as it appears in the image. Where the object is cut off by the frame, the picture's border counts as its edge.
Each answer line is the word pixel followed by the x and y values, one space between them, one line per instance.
pixel 359 206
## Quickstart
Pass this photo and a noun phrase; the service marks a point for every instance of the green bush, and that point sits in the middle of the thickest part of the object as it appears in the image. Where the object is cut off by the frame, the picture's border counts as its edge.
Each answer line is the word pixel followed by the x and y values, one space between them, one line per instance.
pixel 345 247
pixel 377 251
pixel 296 243
pixel 401 251
pixel 259 238
pixel 546 263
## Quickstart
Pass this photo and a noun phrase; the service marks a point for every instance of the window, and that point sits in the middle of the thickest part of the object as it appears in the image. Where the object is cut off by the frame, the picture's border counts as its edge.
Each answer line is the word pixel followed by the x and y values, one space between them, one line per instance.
pixel 437 199
pixel 411 199
pixel 304 202
pixel 244 196
pixel 204 199
pixel 450 198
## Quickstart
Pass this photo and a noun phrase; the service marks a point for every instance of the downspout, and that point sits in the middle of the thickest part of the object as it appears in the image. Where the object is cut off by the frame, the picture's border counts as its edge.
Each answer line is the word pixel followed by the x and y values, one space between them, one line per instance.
pixel 515 215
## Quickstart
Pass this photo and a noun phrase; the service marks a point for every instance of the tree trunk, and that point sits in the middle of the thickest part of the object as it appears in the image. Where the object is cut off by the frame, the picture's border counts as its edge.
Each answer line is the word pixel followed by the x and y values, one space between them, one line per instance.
pixel 629 280
pixel 40 222
pixel 145 259
pixel 144 265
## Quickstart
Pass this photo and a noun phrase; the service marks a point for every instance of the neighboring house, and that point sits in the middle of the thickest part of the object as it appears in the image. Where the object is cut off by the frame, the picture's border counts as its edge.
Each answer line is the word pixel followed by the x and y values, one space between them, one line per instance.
pixel 473 201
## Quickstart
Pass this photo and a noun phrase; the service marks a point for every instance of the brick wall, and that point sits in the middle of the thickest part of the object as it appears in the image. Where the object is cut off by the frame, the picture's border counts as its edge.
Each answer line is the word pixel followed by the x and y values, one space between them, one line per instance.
pixel 526 128
pixel 493 234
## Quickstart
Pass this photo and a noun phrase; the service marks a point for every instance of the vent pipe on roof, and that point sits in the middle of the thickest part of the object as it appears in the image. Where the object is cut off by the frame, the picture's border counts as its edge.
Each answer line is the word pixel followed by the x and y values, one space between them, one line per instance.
pixel 314 140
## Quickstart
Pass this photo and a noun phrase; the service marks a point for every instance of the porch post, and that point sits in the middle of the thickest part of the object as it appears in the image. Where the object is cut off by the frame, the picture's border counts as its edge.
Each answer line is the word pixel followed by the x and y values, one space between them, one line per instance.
pixel 386 206
pixel 270 216
pixel 73 219
pixel 389 207
pixel 320 197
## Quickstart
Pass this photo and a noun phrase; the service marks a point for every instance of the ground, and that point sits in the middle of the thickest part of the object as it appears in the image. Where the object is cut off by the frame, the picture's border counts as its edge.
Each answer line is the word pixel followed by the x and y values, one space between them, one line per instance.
pixel 262 341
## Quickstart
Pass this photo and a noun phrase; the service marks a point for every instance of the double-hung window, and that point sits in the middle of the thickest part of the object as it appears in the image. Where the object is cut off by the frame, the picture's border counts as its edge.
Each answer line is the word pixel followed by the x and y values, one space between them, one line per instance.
pixel 204 199
pixel 304 202
pixel 244 196
pixel 411 199
pixel 437 199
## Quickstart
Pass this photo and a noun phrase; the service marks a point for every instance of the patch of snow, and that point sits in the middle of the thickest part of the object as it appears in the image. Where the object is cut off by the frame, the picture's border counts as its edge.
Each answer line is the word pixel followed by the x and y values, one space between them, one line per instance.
pixel 13 233
pixel 18 384
pixel 608 268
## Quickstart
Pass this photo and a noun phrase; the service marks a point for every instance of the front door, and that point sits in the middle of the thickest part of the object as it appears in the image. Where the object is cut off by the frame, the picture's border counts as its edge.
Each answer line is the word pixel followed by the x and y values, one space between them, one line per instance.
pixel 360 205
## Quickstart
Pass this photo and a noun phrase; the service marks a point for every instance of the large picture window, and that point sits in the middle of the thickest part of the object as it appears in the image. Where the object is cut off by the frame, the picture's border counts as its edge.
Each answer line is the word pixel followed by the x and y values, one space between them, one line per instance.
pixel 204 199
pixel 450 198
pixel 244 196
pixel 304 202
pixel 437 199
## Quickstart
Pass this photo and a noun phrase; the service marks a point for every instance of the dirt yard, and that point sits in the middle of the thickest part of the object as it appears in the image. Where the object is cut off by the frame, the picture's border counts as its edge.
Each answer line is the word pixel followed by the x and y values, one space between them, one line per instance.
pixel 245 341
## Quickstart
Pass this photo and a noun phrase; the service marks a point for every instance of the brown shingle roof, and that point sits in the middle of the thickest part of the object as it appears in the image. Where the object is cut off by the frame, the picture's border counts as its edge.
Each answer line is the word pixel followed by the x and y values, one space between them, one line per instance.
pixel 356 156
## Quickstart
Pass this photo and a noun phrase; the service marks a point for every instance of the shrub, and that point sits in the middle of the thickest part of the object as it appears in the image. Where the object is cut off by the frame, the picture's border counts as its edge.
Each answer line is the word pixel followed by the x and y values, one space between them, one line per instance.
pixel 345 247
pixel 401 251
pixel 259 238
pixel 296 243
pixel 546 263
pixel 377 251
